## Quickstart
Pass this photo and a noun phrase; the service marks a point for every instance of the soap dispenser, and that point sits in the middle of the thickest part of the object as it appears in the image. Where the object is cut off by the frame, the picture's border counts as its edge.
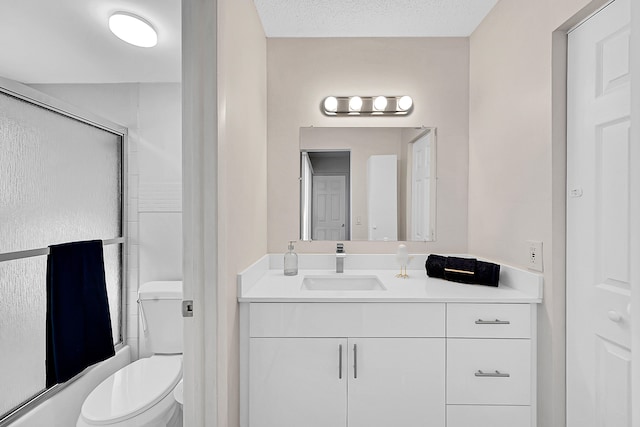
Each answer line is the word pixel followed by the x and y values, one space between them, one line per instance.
pixel 290 261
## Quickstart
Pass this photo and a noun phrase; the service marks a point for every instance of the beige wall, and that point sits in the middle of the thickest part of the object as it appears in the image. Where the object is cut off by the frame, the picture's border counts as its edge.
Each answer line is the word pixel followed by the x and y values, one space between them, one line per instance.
pixel 242 129
pixel 301 72
pixel 517 160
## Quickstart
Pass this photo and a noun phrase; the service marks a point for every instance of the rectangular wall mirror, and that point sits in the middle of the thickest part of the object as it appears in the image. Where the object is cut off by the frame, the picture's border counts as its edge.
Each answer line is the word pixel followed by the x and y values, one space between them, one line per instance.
pixel 376 184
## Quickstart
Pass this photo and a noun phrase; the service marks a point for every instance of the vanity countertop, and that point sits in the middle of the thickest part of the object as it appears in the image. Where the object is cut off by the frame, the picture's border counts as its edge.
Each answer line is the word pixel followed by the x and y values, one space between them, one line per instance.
pixel 262 282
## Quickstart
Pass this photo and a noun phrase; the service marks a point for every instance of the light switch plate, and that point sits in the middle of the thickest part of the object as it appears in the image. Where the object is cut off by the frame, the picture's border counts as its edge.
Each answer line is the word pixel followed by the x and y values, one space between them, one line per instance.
pixel 534 255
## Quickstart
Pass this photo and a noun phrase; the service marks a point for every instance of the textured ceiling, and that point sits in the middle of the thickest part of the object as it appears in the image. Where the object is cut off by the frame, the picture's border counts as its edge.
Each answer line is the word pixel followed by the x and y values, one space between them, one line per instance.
pixel 372 18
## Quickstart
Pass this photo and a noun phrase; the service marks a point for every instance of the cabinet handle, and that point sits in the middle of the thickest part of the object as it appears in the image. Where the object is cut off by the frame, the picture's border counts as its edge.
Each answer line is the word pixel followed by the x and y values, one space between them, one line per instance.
pixel 495 374
pixel 492 322
pixel 355 361
pixel 340 361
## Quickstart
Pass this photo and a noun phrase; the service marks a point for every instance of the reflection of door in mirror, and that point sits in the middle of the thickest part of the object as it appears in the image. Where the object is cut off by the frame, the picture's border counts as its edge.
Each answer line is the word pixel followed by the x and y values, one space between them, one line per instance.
pixel 329 207
pixel 421 189
pixel 324 195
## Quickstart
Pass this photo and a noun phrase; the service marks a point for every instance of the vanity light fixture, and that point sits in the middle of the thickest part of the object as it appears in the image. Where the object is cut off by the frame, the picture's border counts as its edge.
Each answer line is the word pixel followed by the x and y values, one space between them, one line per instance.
pixel 133 29
pixel 367 105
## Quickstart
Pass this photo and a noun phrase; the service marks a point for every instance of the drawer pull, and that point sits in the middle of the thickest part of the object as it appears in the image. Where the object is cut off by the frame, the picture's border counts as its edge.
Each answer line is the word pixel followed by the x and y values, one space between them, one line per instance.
pixel 340 361
pixel 492 322
pixel 495 374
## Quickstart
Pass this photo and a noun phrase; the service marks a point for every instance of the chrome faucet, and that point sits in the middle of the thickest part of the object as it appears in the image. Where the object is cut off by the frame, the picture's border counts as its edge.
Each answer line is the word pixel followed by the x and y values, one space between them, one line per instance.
pixel 340 256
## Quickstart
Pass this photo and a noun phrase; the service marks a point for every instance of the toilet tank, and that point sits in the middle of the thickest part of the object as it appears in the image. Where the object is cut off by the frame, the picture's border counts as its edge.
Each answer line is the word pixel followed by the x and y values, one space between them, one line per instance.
pixel 160 313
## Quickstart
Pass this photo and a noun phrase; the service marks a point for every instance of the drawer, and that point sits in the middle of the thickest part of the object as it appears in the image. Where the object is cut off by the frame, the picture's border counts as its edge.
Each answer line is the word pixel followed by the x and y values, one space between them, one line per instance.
pixel 489 320
pixel 347 319
pixel 488 416
pixel 472 376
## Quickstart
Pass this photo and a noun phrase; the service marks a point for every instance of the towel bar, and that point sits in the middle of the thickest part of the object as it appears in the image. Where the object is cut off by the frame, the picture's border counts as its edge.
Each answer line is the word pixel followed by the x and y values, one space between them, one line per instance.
pixel 9 256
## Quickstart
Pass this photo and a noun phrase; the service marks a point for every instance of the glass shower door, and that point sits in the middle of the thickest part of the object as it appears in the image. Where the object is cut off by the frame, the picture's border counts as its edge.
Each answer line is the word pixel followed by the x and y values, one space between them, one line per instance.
pixel 61 180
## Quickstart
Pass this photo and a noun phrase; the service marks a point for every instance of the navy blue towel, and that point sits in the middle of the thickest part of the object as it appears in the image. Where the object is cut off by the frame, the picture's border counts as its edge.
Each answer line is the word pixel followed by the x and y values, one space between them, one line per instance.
pixel 78 321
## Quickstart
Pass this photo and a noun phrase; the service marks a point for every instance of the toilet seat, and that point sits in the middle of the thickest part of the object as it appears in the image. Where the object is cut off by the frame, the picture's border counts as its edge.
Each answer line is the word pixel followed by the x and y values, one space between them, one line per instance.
pixel 132 390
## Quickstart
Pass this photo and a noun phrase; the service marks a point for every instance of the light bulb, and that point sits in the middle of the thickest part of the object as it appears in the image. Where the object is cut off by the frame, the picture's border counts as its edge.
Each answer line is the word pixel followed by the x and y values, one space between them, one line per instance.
pixel 355 103
pixel 405 103
pixel 331 104
pixel 380 103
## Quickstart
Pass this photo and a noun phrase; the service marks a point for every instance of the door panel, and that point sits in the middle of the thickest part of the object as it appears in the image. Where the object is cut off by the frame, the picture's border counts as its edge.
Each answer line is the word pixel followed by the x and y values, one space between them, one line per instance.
pixel 613 384
pixel 598 221
pixel 613 194
pixel 396 382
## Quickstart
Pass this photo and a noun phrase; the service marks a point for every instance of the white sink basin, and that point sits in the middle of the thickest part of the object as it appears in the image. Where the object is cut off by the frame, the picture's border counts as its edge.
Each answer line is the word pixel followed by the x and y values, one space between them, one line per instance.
pixel 342 283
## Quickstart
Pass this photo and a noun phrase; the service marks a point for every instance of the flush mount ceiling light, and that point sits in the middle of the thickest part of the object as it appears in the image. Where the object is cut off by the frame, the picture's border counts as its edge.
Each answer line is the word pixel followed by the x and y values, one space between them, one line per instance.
pixel 367 105
pixel 133 29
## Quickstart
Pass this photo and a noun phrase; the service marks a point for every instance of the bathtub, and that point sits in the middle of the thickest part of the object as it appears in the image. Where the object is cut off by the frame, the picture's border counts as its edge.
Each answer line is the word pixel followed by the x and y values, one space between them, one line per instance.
pixel 63 408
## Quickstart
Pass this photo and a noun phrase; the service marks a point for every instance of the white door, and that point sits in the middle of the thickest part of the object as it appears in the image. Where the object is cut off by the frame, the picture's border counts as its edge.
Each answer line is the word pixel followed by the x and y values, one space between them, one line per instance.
pixel 396 382
pixel 329 217
pixel 298 382
pixel 598 221
pixel 420 186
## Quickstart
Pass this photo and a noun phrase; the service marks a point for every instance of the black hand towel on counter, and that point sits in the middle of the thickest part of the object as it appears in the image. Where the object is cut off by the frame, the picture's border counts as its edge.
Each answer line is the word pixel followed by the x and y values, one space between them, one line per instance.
pixel 435 266
pixel 78 320
pixel 463 270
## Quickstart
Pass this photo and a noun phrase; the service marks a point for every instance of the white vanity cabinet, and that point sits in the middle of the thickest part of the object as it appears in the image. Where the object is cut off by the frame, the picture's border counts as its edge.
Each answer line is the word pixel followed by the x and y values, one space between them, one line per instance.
pixel 346 364
pixel 369 364
pixel 490 369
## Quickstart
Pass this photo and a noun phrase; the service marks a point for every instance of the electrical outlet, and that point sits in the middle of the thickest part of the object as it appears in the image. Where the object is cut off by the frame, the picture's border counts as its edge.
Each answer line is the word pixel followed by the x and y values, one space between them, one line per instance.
pixel 535 255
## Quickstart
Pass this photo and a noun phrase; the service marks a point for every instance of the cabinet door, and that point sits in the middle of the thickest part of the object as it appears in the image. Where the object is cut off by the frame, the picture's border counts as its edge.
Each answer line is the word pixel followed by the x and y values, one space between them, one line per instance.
pixel 296 382
pixel 396 382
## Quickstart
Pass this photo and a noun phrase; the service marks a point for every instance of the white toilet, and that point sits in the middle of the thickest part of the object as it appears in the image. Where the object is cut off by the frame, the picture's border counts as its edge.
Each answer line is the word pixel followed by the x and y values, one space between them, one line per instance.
pixel 142 394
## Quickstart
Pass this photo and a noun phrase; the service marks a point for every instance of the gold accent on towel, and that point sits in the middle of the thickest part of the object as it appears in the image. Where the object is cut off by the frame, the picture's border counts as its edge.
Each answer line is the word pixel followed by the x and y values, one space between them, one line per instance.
pixel 453 270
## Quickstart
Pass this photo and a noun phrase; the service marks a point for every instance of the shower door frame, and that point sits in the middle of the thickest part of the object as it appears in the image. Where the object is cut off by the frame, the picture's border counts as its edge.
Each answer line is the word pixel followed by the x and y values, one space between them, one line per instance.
pixel 25 93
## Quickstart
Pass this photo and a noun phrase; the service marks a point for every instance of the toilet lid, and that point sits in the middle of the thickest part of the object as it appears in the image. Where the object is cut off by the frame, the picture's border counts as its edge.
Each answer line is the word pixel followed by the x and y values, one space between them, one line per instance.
pixel 132 389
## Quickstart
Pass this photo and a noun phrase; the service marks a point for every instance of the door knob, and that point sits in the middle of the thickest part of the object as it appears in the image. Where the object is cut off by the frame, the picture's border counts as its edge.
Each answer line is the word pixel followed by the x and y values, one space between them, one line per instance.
pixel 614 316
